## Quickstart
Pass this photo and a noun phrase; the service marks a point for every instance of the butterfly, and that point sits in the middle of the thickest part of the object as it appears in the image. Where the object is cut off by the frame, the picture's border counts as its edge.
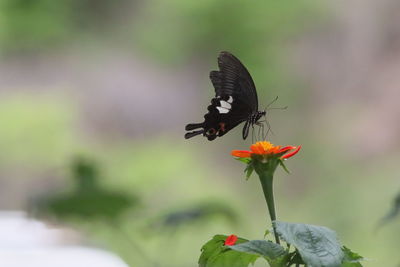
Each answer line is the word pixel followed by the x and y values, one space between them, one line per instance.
pixel 235 101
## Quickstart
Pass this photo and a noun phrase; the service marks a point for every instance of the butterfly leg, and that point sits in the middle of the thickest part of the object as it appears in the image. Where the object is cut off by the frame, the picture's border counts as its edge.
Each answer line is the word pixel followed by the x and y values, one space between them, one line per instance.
pixel 259 130
pixel 269 128
pixel 264 137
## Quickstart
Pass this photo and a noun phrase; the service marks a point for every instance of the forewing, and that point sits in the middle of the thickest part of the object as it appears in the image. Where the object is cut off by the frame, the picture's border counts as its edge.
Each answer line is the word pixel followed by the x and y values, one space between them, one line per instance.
pixel 234 80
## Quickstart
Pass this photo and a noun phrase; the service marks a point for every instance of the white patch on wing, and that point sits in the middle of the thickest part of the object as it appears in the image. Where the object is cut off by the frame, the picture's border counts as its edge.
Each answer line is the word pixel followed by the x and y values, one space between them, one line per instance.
pixel 230 100
pixel 222 110
pixel 225 104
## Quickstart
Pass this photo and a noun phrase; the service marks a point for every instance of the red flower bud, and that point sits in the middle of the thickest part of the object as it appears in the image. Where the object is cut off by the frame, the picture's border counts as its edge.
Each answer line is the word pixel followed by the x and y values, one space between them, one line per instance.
pixel 230 240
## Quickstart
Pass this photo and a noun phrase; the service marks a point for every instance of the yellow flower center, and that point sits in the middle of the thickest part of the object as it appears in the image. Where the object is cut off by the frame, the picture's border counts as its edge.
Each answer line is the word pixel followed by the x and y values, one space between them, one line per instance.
pixel 265 145
pixel 264 148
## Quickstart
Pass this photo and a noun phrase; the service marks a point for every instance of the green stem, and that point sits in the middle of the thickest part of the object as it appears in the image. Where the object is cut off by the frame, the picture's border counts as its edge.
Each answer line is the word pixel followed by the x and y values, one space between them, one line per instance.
pixel 266 179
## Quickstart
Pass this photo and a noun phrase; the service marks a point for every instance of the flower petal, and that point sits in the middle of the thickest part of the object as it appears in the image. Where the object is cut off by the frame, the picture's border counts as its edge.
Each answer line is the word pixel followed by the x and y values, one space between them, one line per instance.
pixel 291 154
pixel 275 150
pixel 257 148
pixel 241 153
pixel 230 240
pixel 286 148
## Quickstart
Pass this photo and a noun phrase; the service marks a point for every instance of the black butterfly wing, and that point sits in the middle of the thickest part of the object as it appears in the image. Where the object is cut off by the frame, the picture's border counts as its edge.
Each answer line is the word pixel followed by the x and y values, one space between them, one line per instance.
pixel 234 79
pixel 234 102
pixel 216 124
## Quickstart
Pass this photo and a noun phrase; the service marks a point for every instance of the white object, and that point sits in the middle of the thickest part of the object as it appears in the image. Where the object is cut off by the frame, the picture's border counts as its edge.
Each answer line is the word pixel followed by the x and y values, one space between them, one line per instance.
pixel 26 242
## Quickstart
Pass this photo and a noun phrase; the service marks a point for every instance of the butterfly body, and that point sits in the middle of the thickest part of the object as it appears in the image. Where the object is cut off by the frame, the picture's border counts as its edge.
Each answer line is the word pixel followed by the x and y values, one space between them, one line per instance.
pixel 235 101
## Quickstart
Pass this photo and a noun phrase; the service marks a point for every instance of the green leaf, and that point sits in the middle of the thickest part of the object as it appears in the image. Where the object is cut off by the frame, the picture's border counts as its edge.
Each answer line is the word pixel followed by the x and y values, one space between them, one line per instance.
pixel 351 259
pixel 317 245
pixel 215 254
pixel 263 248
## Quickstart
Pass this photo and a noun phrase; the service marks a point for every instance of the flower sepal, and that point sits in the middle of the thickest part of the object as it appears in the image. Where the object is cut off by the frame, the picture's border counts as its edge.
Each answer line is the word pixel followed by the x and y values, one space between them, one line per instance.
pixel 249 166
pixel 249 170
pixel 284 167
pixel 263 167
pixel 244 160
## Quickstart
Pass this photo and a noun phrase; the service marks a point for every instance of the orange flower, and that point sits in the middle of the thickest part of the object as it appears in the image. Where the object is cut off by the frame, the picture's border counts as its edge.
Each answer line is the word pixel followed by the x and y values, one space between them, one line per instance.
pixel 265 148
pixel 231 240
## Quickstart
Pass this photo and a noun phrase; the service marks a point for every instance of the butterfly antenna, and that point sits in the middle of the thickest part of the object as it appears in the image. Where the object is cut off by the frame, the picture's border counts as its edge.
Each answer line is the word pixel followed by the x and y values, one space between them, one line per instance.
pixel 282 108
pixel 275 99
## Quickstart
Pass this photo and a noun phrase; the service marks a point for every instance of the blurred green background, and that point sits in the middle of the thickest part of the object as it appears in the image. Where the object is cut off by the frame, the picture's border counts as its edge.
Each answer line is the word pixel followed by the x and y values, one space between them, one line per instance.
pixel 95 96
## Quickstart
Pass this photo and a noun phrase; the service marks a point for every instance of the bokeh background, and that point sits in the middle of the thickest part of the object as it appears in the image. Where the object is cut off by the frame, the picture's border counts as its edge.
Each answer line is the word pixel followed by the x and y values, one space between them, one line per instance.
pixel 95 95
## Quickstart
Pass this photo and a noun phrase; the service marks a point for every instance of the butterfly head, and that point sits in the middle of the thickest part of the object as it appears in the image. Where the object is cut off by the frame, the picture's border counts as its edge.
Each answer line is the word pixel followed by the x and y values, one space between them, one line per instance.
pixel 258 115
